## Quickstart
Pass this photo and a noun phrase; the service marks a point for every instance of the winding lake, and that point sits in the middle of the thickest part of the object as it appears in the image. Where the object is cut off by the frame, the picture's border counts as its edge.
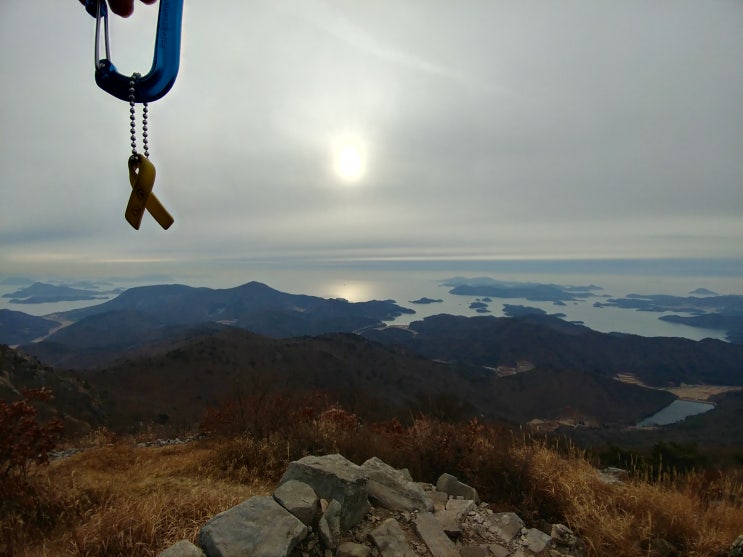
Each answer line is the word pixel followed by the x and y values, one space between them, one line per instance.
pixel 677 411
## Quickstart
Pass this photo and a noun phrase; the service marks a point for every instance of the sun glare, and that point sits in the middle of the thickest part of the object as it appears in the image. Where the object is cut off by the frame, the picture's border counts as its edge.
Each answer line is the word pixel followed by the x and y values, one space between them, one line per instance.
pixel 349 159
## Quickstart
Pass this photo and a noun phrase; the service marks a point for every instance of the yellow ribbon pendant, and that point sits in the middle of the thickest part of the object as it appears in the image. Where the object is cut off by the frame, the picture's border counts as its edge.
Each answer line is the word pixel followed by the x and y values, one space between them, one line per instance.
pixel 142 179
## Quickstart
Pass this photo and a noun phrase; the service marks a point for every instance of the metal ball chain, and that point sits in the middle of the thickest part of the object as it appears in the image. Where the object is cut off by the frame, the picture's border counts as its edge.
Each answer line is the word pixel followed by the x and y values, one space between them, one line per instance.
pixel 132 120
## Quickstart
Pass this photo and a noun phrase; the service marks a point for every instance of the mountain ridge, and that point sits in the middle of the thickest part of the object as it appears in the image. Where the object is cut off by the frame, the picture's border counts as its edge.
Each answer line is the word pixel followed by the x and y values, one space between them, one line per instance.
pixel 182 378
pixel 550 342
pixel 253 305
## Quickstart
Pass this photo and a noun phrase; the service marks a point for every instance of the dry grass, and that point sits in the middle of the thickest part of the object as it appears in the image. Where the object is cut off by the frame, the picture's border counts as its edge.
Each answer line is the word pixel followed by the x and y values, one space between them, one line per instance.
pixel 699 514
pixel 121 500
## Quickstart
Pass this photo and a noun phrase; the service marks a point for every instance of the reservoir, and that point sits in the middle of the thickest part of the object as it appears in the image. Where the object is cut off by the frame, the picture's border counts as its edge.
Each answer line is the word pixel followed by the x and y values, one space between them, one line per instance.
pixel 677 411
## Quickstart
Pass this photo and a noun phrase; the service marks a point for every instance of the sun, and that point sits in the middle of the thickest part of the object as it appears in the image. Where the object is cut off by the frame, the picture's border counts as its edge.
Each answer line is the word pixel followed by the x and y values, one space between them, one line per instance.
pixel 349 159
pixel 348 163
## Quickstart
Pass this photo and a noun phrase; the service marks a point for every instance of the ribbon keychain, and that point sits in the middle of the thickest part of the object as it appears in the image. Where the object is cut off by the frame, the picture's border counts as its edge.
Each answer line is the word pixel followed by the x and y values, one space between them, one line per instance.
pixel 141 89
pixel 142 178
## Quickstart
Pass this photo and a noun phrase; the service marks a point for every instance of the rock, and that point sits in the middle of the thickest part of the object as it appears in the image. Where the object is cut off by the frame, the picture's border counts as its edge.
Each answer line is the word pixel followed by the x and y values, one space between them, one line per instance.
pixel 567 543
pixel 390 540
pixel 330 525
pixel 505 525
pixel 499 550
pixel 536 541
pixel 334 477
pixel 183 548
pixel 612 475
pixel 460 506
pixel 430 531
pixel 474 551
pixel 258 527
pixel 350 549
pixel 450 523
pixel 392 489
pixel 439 499
pixel 736 549
pixel 299 499
pixel 330 494
pixel 450 485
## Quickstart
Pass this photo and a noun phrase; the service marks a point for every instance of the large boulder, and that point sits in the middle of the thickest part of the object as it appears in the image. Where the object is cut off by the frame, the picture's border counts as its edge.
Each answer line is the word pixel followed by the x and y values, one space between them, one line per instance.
pixel 299 499
pixel 454 488
pixel 334 477
pixel 392 489
pixel 258 527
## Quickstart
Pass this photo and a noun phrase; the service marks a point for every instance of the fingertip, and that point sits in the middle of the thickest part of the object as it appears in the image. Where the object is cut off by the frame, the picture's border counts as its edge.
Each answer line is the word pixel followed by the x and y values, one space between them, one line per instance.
pixel 123 9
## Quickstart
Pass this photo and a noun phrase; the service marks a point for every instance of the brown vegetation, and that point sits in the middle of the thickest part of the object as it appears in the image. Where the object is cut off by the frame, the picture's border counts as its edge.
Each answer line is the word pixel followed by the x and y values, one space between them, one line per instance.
pixel 116 499
pixel 120 500
pixel 24 441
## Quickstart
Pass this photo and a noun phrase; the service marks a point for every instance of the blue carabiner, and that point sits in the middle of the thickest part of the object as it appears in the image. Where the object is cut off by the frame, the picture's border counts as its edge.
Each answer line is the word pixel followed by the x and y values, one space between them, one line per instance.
pixel 165 61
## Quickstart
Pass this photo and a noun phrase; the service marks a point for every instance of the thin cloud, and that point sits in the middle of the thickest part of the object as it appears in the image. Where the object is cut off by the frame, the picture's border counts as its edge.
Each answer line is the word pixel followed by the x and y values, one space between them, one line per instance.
pixel 320 15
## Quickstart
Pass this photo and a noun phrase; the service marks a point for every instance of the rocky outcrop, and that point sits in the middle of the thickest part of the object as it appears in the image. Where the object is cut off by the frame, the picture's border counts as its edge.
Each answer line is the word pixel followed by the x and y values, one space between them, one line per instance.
pixel 259 527
pixel 321 509
pixel 333 477
pixel 299 499
pixel 394 489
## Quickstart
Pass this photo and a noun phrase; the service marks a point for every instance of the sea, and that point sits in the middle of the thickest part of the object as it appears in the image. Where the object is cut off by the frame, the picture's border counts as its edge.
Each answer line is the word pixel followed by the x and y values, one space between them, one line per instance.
pixel 406 281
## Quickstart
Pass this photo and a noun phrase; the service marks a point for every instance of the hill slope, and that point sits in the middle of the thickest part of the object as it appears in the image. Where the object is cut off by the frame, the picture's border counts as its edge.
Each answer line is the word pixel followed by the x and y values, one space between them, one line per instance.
pixel 549 342
pixel 179 380
pixel 17 327
pixel 74 399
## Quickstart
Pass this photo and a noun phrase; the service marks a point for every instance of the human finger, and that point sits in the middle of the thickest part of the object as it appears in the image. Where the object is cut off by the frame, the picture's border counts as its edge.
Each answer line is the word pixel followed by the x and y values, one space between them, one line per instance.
pixel 125 8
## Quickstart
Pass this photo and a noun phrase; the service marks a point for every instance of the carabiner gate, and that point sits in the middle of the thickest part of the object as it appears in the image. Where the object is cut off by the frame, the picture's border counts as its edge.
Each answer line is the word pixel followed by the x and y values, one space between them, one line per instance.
pixel 165 61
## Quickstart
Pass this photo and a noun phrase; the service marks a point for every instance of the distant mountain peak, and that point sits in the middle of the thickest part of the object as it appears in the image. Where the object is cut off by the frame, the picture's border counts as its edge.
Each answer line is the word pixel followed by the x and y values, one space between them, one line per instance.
pixel 255 285
pixel 703 292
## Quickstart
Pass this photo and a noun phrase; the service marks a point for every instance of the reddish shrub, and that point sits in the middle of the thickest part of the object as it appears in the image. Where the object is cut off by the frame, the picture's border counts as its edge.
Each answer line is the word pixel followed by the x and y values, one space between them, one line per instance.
pixel 24 441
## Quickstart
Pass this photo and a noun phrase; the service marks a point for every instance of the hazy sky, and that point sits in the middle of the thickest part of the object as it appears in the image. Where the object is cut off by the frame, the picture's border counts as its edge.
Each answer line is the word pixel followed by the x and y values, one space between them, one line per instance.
pixel 480 129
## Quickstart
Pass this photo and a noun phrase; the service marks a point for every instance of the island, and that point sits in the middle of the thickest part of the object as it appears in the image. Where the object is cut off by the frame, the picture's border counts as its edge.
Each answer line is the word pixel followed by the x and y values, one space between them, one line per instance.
pixel 479 306
pixel 703 292
pixel 42 293
pixel 515 310
pixel 425 300
pixel 724 313
pixel 536 292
